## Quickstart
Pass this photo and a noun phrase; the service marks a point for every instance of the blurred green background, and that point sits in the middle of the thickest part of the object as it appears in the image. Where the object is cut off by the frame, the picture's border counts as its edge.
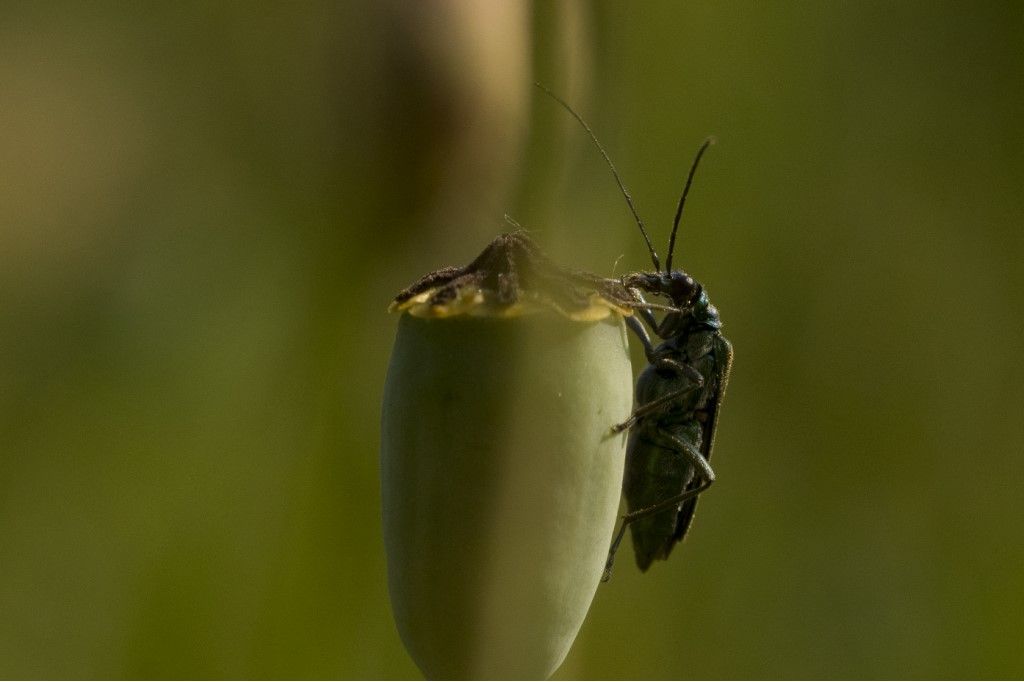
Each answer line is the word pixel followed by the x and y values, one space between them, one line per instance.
pixel 206 207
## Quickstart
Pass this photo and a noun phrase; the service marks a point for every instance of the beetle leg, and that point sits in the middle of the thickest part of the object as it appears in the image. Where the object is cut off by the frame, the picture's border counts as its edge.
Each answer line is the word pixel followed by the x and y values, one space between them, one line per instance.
pixel 641 332
pixel 644 311
pixel 641 513
pixel 704 473
pixel 659 403
pixel 688 371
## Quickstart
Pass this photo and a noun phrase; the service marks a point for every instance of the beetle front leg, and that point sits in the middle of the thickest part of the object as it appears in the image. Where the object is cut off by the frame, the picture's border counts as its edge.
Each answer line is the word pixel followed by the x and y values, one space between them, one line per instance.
pixel 645 311
pixel 641 333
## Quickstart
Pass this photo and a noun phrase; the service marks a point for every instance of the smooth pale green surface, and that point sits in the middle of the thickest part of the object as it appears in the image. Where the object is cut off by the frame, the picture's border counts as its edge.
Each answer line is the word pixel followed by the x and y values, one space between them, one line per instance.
pixel 501 484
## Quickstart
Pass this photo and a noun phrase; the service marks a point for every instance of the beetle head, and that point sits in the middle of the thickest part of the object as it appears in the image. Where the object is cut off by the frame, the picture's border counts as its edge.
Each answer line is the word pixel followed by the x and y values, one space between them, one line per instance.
pixel 677 286
pixel 681 288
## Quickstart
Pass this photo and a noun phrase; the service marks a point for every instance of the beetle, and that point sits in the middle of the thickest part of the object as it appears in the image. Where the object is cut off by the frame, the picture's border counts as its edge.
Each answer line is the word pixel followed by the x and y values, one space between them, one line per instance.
pixel 678 395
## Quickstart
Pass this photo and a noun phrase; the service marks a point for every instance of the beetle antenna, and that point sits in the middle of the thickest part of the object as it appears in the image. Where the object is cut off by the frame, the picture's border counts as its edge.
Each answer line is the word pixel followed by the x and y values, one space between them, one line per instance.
pixel 622 187
pixel 682 200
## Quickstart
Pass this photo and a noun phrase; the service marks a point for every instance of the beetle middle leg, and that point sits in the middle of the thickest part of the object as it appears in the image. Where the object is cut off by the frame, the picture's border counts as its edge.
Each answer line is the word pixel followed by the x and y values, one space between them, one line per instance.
pixel 659 403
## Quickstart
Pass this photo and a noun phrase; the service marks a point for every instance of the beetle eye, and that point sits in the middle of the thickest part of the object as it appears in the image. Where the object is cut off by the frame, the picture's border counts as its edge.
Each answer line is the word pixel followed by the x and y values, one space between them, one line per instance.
pixel 683 286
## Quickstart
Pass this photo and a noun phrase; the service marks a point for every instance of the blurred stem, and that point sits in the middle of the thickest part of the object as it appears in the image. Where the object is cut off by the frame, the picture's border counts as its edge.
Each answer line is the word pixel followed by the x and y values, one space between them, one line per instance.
pixel 561 59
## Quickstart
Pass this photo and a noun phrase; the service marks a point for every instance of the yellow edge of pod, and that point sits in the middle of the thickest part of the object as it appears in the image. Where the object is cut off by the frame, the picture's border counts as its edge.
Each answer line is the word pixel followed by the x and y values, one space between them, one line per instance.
pixel 475 302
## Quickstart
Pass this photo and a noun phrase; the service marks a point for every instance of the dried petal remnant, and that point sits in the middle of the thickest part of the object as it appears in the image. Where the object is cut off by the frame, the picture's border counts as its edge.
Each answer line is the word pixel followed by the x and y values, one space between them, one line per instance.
pixel 513 277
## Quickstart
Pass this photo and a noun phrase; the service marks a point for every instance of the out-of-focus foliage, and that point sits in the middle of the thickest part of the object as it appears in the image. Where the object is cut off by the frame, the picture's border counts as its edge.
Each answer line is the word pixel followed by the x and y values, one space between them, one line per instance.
pixel 205 208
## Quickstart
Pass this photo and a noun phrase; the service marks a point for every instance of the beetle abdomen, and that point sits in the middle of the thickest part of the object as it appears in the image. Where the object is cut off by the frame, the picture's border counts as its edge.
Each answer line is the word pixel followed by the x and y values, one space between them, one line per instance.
pixel 657 471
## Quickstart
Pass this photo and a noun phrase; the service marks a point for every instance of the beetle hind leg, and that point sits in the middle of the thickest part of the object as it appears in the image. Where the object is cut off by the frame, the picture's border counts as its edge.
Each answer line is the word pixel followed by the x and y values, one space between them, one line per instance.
pixel 702 472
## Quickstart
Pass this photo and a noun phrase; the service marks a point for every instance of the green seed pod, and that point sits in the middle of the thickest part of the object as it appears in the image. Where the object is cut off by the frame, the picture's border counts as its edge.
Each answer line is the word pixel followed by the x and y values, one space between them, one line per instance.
pixel 500 474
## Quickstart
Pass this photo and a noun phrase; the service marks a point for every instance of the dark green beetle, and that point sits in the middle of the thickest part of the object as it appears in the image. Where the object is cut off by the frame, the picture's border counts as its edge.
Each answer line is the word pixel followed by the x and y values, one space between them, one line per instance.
pixel 678 395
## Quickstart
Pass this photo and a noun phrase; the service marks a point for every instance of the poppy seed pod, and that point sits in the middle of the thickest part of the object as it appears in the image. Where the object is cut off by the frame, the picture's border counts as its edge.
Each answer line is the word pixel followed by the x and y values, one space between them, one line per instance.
pixel 500 473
